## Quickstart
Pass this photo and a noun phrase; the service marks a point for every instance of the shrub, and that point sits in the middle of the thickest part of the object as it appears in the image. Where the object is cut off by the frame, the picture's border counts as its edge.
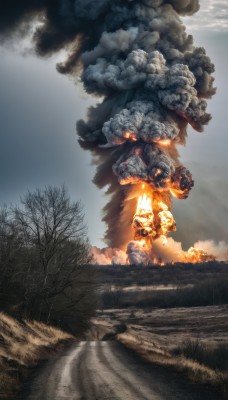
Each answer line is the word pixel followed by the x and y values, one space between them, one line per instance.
pixel 215 357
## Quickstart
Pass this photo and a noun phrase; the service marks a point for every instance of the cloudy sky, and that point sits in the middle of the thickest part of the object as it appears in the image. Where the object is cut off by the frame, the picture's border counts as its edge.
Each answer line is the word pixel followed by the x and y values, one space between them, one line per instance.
pixel 38 112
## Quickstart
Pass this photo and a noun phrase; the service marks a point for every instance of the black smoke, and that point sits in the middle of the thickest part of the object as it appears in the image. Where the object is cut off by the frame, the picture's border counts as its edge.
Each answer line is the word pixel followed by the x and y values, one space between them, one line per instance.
pixel 137 56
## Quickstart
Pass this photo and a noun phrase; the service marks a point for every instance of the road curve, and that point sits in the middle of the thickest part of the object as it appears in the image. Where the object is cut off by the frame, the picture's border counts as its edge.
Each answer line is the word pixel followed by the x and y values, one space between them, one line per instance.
pixel 108 371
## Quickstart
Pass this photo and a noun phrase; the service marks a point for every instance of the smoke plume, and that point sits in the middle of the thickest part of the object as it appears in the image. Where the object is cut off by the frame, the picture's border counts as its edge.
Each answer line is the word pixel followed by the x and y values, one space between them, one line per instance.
pixel 108 256
pixel 137 57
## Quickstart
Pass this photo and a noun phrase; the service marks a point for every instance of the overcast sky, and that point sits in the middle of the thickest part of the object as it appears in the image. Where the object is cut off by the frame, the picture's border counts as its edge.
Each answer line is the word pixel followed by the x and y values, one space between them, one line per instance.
pixel 38 112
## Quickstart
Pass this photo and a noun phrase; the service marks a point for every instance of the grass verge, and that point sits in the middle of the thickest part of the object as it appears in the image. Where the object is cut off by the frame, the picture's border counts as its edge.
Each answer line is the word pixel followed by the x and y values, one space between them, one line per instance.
pixel 195 371
pixel 22 346
pixel 215 357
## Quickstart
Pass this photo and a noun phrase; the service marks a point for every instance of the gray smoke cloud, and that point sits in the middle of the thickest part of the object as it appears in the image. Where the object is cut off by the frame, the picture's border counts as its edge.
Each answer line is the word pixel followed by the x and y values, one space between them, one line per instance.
pixel 153 81
pixel 140 120
pixel 136 253
pixel 144 163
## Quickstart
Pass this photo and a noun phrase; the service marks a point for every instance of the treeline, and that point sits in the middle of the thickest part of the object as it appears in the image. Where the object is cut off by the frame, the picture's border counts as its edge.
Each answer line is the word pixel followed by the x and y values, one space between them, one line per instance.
pixel 206 293
pixel 44 256
pixel 175 274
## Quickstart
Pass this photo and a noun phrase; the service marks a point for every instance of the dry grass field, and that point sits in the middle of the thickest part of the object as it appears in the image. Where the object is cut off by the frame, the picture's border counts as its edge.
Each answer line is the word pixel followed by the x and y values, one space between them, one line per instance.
pixel 193 341
pixel 169 328
pixel 22 346
pixel 175 316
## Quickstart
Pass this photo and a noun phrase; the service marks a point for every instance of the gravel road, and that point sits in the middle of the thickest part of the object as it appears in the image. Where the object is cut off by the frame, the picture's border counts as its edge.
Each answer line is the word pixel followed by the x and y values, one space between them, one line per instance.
pixel 99 370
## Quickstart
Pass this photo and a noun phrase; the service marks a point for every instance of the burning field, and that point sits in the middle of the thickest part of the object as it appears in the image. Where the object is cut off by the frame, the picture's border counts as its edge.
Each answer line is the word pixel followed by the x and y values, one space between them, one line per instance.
pixel 151 82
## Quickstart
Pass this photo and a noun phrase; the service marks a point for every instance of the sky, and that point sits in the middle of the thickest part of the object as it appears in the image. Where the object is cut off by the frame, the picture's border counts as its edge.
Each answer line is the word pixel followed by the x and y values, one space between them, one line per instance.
pixel 38 111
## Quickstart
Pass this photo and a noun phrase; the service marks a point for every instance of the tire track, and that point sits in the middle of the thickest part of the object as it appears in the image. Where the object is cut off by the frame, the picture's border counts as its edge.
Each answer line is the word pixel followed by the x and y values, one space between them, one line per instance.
pixel 84 376
pixel 65 388
pixel 105 355
pixel 102 387
pixel 108 371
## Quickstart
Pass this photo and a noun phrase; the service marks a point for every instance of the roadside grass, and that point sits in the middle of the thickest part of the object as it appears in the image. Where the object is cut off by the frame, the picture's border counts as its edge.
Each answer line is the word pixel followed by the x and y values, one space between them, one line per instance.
pixel 215 357
pixel 22 346
pixel 196 371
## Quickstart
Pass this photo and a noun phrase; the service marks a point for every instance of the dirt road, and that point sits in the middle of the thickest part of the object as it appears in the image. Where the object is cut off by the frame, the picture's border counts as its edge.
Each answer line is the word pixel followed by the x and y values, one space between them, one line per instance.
pixel 108 371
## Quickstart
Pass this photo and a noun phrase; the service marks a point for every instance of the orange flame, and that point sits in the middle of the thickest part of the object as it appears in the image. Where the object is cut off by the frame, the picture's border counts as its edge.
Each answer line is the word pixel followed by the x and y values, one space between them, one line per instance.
pixel 144 205
pixel 152 220
pixel 130 135
pixel 164 142
pixel 159 171
pixel 194 255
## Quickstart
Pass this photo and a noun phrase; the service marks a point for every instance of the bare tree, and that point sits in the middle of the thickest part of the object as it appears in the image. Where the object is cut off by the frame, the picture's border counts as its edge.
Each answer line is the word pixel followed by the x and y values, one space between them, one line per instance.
pixel 11 250
pixel 45 239
pixel 48 220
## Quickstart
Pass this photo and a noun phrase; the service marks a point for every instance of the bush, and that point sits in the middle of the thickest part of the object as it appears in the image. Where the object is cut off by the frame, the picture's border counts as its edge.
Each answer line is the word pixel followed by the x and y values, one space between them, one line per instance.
pixel 214 357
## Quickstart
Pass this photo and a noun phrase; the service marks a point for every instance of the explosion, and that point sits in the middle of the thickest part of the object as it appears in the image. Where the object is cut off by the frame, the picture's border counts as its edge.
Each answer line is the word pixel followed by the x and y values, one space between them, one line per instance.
pixel 143 219
pixel 151 221
pixel 194 255
pixel 152 218
pixel 152 81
